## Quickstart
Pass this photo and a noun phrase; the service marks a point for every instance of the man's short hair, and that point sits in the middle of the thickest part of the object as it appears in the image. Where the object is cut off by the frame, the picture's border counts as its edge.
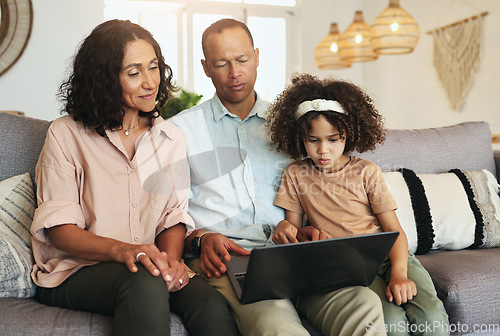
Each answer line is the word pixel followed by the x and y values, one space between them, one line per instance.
pixel 217 28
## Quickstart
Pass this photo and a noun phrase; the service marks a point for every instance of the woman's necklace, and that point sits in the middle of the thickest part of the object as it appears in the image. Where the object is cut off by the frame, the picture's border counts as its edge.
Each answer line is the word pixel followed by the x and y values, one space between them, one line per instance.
pixel 127 131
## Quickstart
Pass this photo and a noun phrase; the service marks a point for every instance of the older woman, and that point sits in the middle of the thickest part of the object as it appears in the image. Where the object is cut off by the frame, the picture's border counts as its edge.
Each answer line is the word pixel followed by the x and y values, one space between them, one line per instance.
pixel 113 187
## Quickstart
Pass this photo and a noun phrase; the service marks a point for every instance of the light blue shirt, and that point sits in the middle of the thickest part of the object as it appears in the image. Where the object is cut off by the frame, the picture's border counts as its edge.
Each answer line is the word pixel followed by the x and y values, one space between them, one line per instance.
pixel 235 173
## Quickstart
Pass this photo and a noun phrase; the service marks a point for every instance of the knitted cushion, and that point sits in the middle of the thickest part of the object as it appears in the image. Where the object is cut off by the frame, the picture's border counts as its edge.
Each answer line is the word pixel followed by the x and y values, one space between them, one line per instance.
pixel 451 211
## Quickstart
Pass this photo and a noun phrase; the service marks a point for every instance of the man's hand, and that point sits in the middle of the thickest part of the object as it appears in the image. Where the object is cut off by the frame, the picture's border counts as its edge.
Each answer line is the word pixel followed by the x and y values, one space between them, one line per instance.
pixel 309 233
pixel 215 249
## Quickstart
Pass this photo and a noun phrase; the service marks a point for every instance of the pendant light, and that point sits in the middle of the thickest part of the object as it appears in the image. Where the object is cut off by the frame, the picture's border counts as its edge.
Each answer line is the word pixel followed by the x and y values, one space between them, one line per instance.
pixel 396 31
pixel 355 43
pixel 327 51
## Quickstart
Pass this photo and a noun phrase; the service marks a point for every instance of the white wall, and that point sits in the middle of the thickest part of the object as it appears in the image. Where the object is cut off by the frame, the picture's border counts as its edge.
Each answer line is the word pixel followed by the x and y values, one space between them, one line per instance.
pixel 315 17
pixel 405 88
pixel 31 84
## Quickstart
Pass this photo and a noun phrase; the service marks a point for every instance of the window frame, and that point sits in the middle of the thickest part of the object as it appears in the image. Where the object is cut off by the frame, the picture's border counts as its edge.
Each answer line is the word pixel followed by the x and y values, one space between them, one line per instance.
pixel 240 11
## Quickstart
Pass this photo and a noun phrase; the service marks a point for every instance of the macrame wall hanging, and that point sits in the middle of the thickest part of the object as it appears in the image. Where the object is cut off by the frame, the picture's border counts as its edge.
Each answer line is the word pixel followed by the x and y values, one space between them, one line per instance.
pixel 457 51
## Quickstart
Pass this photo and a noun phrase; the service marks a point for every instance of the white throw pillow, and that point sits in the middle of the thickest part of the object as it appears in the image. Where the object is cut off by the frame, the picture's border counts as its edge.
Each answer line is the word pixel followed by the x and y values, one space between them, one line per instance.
pixel 453 211
pixel 17 206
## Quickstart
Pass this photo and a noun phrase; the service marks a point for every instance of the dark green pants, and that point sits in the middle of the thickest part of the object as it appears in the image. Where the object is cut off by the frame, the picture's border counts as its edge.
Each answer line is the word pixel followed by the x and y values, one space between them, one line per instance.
pixel 424 315
pixel 140 303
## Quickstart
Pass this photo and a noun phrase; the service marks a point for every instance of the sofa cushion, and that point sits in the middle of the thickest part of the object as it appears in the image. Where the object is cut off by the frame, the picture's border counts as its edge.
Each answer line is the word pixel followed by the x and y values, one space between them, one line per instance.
pixel 21 140
pixel 17 206
pixel 465 146
pixel 452 210
pixel 468 282
pixel 27 317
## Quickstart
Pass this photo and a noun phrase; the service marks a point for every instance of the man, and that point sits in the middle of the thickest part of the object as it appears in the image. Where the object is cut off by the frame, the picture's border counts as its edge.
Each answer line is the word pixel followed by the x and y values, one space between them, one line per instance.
pixel 234 178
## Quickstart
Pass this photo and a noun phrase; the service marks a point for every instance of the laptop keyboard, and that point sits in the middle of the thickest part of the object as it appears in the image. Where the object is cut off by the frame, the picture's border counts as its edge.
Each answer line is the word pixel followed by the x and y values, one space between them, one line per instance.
pixel 240 277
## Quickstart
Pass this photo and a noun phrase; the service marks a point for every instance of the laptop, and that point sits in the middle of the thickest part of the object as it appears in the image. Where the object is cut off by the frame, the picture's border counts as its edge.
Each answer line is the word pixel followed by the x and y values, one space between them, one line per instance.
pixel 291 270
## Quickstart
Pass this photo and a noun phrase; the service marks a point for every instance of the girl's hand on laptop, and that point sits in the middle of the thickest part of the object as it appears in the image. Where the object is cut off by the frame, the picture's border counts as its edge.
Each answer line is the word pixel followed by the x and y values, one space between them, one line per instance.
pixel 310 233
pixel 215 248
pixel 285 233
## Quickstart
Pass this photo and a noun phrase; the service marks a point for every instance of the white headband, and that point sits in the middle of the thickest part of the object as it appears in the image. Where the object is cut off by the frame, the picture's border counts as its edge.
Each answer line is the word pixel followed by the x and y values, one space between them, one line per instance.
pixel 318 105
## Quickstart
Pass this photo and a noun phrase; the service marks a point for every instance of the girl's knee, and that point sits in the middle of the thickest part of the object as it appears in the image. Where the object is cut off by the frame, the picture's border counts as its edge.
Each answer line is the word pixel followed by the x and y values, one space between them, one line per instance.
pixel 432 315
pixel 427 314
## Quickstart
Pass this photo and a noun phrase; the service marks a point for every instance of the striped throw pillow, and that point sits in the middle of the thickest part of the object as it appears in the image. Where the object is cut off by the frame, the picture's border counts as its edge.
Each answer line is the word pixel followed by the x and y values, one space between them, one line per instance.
pixel 17 206
pixel 454 210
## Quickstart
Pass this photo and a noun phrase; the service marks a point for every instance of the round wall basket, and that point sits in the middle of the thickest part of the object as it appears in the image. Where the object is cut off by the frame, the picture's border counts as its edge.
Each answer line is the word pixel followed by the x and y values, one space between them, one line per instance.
pixel 16 21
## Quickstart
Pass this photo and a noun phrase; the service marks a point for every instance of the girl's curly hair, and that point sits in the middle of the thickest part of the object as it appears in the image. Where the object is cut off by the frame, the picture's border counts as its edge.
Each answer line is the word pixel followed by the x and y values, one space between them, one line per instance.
pixel 92 94
pixel 361 125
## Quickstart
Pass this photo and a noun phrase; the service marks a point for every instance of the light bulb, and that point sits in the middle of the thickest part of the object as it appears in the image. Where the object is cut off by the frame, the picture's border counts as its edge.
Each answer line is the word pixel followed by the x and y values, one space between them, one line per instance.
pixel 358 38
pixel 394 26
pixel 334 47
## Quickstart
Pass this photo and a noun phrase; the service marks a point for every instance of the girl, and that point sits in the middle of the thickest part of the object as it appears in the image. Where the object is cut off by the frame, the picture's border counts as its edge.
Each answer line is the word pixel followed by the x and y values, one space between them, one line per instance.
pixel 342 195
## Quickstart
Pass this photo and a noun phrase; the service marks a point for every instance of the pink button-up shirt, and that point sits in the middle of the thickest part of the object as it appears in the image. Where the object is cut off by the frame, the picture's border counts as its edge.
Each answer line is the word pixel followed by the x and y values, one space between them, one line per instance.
pixel 88 180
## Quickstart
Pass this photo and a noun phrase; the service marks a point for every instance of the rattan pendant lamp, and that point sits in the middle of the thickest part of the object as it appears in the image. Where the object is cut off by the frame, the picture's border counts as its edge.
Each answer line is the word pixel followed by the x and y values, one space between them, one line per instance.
pixel 327 51
pixel 396 31
pixel 355 43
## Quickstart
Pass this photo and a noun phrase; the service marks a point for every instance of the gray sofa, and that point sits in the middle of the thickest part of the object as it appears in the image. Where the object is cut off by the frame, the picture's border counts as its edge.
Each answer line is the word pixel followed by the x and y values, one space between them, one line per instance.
pixel 468 281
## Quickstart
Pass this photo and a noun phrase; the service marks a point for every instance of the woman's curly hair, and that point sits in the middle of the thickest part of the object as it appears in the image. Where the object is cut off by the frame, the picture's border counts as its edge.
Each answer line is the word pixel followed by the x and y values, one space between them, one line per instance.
pixel 92 94
pixel 361 124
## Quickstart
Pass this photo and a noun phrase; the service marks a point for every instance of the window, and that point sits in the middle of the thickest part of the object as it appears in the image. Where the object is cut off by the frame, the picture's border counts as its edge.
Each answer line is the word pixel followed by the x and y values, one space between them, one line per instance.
pixel 178 26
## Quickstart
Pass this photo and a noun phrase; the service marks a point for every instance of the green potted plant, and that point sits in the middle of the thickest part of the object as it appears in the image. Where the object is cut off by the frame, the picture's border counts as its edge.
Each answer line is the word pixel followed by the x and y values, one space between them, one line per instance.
pixel 178 103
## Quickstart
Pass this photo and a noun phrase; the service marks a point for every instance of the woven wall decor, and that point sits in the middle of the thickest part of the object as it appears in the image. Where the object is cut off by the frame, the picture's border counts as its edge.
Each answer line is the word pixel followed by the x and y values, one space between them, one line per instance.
pixel 457 51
